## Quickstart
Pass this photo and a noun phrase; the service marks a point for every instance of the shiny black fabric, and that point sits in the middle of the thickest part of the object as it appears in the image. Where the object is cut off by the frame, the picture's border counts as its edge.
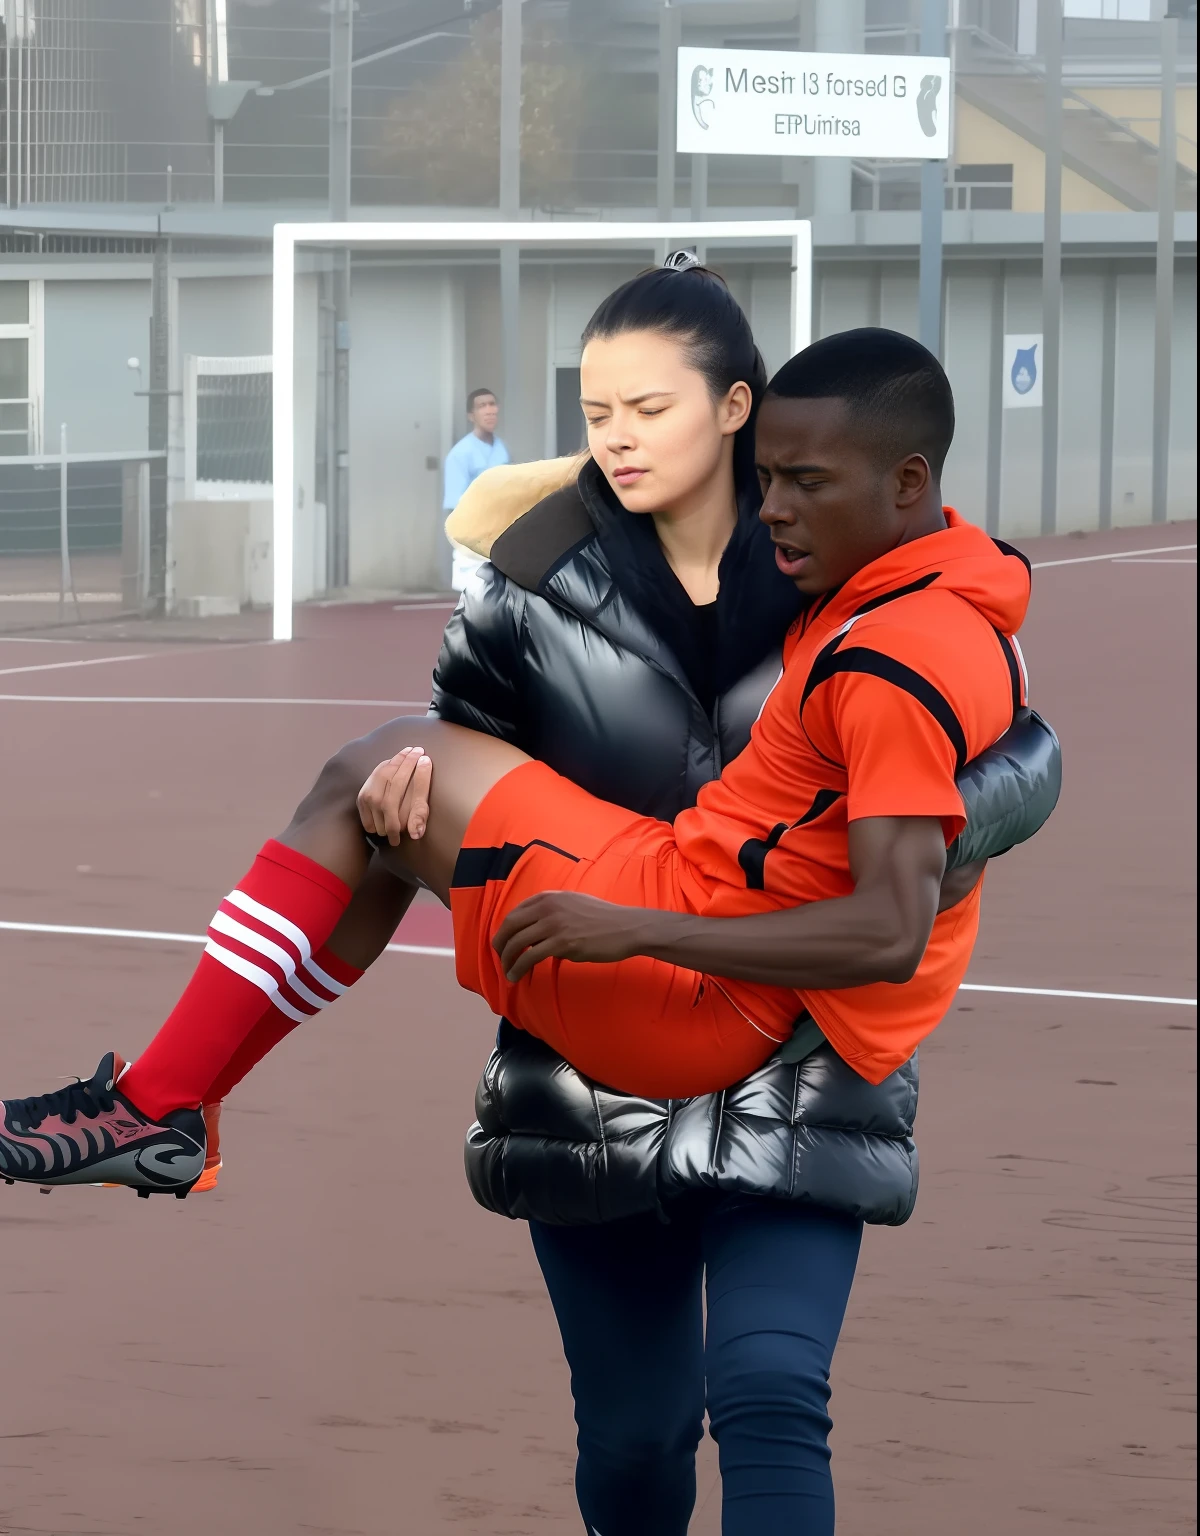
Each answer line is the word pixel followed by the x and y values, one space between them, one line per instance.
pixel 548 651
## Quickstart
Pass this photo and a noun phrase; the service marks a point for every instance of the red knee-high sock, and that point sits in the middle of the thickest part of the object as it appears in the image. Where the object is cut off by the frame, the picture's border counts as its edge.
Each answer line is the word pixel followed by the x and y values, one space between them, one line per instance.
pixel 319 982
pixel 263 932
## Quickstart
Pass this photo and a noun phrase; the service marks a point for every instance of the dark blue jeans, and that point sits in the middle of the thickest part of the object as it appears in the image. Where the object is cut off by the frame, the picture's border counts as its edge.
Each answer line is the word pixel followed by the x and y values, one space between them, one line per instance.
pixel 628 1301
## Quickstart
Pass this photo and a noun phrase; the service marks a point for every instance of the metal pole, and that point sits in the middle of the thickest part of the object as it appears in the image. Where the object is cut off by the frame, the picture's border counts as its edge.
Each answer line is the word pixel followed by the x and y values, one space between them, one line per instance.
pixel 1052 263
pixel 8 111
pixel 511 42
pixel 700 198
pixel 218 162
pixel 1108 393
pixel 159 413
pixel 669 33
pixel 64 547
pixel 1164 275
pixel 933 200
pixel 341 51
pixel 995 438
pixel 143 534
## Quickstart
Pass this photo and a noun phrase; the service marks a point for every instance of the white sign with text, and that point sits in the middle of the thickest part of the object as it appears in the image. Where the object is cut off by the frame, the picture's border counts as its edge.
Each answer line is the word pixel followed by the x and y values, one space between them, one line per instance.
pixel 735 101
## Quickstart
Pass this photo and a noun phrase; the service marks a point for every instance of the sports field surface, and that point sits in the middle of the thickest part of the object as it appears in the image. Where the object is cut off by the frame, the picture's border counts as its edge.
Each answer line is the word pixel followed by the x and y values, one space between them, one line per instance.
pixel 339 1342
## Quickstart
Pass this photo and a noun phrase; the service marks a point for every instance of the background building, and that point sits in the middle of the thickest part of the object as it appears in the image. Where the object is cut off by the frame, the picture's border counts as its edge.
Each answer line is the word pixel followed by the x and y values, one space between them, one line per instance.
pixel 150 145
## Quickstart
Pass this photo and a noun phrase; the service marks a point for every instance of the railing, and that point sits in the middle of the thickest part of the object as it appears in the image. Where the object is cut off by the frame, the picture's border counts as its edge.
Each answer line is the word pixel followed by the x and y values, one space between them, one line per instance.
pixel 18 427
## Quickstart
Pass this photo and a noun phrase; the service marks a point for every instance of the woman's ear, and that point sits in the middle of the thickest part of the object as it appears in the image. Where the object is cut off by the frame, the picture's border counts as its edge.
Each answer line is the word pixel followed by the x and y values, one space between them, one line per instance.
pixel 734 410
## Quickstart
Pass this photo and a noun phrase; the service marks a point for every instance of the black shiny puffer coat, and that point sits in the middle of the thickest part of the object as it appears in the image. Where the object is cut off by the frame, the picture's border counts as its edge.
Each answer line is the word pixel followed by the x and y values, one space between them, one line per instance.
pixel 550 649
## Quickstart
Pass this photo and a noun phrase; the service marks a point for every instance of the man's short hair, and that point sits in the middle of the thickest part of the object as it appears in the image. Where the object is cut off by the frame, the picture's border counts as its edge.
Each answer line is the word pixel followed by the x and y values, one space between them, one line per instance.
pixel 897 392
pixel 478 394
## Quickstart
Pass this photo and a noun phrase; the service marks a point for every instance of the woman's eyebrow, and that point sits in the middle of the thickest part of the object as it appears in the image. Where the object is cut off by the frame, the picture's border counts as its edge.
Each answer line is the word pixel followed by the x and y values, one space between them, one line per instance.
pixel 650 394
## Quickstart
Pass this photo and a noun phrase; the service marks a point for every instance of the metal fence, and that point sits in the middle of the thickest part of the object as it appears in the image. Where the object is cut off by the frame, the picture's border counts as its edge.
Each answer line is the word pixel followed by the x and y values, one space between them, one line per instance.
pixel 75 539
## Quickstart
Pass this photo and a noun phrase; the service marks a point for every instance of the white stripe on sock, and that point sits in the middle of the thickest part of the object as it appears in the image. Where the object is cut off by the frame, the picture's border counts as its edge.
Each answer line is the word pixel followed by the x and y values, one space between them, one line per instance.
pixel 324 980
pixel 223 923
pixel 252 939
pixel 273 920
pixel 294 984
pixel 263 980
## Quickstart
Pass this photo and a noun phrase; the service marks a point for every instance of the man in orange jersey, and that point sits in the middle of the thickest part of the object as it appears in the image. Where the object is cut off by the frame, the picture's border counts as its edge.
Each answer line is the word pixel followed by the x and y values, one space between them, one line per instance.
pixel 668 960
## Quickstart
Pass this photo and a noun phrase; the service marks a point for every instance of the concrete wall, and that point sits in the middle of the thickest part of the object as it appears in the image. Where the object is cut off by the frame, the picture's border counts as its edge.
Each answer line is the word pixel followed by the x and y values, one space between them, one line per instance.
pixel 404 360
pixel 230 316
pixel 885 293
pixel 422 336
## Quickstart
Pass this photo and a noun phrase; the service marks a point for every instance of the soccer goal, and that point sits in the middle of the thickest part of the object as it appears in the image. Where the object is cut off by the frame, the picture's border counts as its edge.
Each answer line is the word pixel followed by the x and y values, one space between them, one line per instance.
pixel 575 241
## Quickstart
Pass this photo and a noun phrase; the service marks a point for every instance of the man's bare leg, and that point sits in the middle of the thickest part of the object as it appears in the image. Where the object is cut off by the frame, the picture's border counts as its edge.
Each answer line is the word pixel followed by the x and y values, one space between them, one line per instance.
pixel 466 764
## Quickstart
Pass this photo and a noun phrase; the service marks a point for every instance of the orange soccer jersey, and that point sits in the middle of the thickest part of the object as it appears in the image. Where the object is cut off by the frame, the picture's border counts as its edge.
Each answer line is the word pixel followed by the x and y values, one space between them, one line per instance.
pixel 889 686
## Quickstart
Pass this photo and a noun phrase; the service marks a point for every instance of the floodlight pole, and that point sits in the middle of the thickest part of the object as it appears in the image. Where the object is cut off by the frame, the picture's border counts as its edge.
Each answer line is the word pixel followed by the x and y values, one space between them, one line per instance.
pixel 670 33
pixel 933 199
pixel 511 43
pixel 1164 275
pixel 442 236
pixel 341 59
pixel 1052 41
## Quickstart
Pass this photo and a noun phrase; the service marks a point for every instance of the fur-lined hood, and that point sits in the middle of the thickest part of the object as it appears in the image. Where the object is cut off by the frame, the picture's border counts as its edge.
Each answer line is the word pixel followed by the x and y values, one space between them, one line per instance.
pixel 494 501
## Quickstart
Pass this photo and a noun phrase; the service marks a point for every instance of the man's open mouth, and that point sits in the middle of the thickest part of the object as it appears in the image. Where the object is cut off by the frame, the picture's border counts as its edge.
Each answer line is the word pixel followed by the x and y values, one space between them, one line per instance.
pixel 790 559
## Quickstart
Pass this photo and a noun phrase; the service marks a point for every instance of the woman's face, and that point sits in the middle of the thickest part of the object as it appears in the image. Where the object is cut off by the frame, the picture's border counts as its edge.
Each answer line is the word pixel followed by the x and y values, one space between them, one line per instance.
pixel 653 425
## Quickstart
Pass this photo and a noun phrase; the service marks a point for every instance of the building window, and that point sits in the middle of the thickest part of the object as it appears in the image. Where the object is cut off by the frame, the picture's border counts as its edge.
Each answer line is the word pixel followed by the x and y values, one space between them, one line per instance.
pixel 20 371
pixel 980 186
pixel 1108 10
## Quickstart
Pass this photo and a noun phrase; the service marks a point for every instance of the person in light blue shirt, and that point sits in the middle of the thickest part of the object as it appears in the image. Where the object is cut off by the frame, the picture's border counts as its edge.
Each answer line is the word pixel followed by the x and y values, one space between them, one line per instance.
pixel 469 457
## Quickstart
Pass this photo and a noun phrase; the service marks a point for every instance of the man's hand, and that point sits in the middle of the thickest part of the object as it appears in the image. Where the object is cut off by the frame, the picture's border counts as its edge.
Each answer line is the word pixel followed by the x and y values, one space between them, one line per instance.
pixel 563 925
pixel 395 799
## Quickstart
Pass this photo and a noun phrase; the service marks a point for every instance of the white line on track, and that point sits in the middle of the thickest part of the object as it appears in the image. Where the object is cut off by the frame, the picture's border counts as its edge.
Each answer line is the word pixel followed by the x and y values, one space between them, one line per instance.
pixel 183 938
pixel 58 666
pixel 448 954
pixel 1121 555
pixel 1097 997
pixel 135 698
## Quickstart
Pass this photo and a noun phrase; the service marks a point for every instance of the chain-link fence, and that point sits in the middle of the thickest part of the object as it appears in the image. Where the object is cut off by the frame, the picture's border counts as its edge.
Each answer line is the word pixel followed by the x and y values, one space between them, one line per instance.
pixel 75 539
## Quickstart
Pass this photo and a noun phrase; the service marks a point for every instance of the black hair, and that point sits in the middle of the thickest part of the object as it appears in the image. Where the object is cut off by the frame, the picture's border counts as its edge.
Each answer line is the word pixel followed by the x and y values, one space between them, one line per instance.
pixel 693 305
pixel 897 392
pixel 478 394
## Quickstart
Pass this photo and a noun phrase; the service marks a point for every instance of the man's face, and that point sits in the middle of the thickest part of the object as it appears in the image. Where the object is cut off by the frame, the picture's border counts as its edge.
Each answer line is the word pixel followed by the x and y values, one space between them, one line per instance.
pixel 485 413
pixel 830 508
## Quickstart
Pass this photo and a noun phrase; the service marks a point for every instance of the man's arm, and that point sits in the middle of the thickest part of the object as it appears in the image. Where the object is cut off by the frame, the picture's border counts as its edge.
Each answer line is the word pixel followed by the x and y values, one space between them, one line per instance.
pixel 878 933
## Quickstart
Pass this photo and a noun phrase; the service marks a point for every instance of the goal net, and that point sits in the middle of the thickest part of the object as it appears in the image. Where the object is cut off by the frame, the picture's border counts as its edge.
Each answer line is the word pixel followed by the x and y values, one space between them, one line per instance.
pixel 358 497
pixel 227 412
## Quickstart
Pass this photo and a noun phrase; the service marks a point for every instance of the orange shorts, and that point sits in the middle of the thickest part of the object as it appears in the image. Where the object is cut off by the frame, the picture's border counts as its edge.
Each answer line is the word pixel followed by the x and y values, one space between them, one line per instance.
pixel 641 1025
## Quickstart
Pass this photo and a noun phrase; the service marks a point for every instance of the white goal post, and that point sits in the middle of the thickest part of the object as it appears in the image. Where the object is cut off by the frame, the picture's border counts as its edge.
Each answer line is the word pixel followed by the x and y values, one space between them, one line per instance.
pixel 794 235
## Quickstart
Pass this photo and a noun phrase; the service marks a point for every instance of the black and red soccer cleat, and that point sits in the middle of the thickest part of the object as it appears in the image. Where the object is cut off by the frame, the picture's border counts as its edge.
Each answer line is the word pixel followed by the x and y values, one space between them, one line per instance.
pixel 90 1133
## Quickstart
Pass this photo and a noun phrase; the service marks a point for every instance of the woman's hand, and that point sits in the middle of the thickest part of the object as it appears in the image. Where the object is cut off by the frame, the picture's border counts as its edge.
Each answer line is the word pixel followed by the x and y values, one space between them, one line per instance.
pixel 563 925
pixel 395 799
